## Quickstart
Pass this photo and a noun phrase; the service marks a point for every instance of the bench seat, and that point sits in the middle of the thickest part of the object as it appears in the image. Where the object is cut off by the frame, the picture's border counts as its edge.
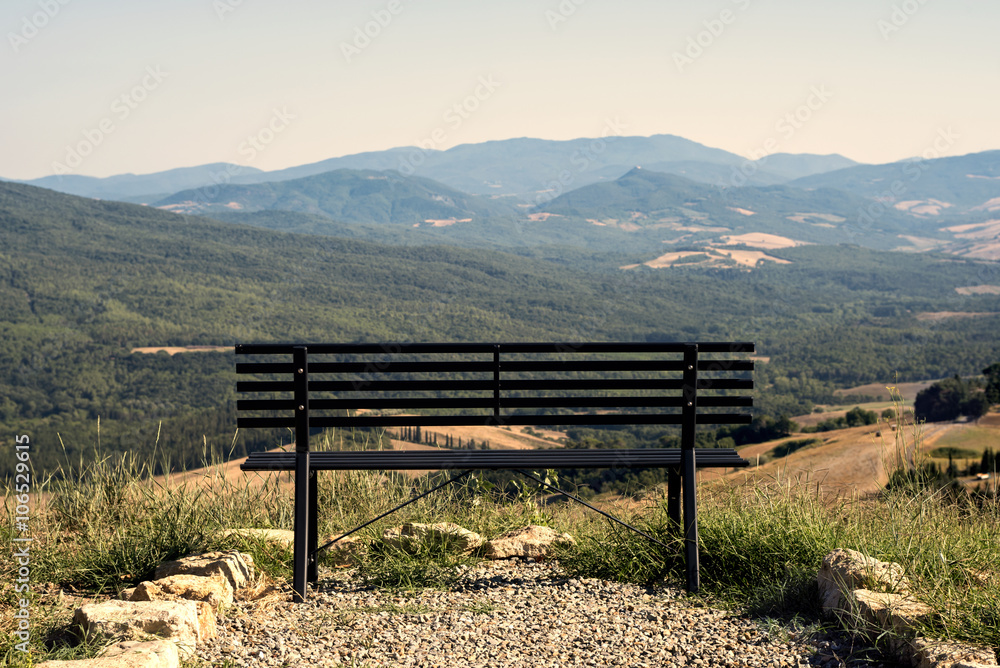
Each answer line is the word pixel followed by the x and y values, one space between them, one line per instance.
pixel 423 460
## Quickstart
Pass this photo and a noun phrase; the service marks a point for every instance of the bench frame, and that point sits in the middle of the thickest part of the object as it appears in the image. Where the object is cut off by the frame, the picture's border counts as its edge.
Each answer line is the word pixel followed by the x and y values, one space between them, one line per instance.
pixel 507 382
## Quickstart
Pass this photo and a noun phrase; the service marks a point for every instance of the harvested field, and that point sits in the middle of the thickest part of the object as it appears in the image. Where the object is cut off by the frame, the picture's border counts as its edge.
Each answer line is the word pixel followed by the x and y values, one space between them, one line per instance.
pixel 173 350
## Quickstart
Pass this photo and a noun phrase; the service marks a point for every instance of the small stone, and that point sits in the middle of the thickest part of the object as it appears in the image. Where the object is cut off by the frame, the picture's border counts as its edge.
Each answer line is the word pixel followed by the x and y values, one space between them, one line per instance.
pixel 215 590
pixel 532 541
pixel 236 567
pixel 409 537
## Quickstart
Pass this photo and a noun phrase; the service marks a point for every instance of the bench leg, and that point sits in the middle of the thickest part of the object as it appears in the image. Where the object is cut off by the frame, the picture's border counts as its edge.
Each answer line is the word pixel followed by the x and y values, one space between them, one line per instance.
pixel 674 496
pixel 690 481
pixel 313 574
pixel 300 556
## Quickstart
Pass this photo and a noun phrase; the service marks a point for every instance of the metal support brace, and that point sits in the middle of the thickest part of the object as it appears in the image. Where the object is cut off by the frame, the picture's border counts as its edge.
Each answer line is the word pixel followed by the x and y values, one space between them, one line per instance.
pixel 674 496
pixel 303 513
pixel 688 471
pixel 313 575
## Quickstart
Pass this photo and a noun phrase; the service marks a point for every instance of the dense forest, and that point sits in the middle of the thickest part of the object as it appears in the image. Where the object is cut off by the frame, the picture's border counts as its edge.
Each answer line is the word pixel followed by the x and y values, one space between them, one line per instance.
pixel 83 282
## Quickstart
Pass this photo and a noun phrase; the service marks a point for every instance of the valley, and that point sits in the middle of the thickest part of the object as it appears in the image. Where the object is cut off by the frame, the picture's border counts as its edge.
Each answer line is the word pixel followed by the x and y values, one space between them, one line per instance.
pixel 836 291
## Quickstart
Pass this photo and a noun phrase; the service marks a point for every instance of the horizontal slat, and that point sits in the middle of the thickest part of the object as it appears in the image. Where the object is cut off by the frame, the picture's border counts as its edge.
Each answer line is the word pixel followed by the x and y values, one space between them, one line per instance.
pixel 265 367
pixel 467 348
pixel 585 365
pixel 725 365
pixel 571 401
pixel 265 386
pixel 724 383
pixel 488 402
pixel 362 348
pixel 489 420
pixel 384 366
pixel 440 403
pixel 266 422
pixel 361 385
pixel 268 404
pixel 724 402
pixel 565 366
pixel 549 384
pixel 493 459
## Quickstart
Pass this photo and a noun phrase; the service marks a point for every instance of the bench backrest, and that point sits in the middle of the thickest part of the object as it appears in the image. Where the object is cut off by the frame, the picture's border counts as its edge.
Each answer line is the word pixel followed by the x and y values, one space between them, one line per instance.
pixel 374 385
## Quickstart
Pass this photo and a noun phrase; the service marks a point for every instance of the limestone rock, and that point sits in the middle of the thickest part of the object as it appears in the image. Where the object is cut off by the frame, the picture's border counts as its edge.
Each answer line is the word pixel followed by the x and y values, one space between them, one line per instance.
pixel 531 541
pixel 410 537
pixel 236 567
pixel 176 621
pixel 844 571
pixel 896 613
pixel 215 590
pixel 284 537
pixel 346 552
pixel 942 654
pixel 127 654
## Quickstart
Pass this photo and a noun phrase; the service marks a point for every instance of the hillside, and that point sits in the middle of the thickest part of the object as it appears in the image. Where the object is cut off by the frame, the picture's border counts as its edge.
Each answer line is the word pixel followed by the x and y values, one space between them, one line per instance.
pixel 682 211
pixel 350 196
pixel 84 282
pixel 961 185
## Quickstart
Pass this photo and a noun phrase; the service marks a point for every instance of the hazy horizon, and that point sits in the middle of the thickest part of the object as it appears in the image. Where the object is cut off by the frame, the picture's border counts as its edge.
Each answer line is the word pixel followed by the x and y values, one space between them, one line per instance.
pixel 102 88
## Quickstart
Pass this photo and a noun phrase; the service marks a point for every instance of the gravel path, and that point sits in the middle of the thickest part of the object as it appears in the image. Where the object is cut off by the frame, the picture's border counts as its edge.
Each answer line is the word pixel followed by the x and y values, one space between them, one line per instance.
pixel 504 614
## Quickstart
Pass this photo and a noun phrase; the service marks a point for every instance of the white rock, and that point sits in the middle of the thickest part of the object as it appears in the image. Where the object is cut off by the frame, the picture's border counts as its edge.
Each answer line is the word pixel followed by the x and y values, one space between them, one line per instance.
pixel 947 654
pixel 284 537
pixel 127 654
pixel 176 621
pixel 236 567
pixel 410 537
pixel 531 541
pixel 215 590
pixel 844 571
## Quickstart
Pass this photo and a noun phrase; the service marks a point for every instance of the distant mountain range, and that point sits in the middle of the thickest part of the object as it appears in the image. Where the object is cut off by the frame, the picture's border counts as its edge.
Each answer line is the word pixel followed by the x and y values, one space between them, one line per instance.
pixel 521 168
pixel 626 195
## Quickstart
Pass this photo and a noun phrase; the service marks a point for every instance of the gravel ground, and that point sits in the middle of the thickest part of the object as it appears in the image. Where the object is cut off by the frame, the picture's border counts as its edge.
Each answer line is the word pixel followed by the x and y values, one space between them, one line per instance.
pixel 509 614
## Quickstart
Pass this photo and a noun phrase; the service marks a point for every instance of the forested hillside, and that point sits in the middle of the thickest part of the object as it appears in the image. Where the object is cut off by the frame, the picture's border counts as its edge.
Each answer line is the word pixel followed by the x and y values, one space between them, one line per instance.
pixel 83 282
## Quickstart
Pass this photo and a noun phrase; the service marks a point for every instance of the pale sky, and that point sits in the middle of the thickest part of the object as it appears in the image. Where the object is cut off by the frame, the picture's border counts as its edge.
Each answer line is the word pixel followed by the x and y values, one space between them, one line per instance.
pixel 105 87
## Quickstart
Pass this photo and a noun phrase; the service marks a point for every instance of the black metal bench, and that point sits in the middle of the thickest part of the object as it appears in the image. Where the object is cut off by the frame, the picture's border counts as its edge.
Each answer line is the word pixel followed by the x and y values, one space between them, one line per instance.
pixel 494 384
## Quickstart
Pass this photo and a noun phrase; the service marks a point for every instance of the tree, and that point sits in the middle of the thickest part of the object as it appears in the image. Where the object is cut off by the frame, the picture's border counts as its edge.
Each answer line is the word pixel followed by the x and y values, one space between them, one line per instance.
pixel 948 399
pixel 992 373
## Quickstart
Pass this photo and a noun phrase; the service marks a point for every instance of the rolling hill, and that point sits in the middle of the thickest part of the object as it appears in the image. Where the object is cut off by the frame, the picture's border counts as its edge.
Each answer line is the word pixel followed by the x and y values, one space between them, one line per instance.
pixel 962 185
pixel 350 196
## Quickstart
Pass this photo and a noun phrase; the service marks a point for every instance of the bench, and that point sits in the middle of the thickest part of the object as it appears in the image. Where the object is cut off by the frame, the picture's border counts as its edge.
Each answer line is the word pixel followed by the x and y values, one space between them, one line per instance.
pixel 319 386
